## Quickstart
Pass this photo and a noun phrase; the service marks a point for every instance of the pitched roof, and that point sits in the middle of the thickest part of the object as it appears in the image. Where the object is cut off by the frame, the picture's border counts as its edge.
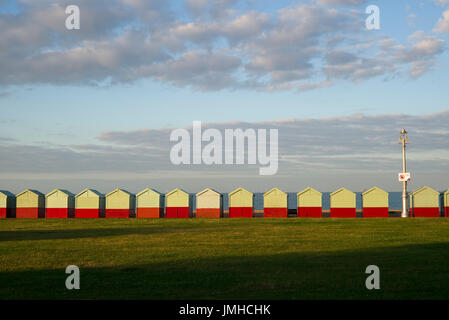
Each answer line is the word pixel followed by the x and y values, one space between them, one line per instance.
pixel 117 190
pixel 240 189
pixel 424 188
pixel 273 189
pixel 7 193
pixel 146 190
pixel 61 190
pixel 373 189
pixel 340 190
pixel 99 194
pixel 308 189
pixel 31 190
pixel 207 190
pixel 176 190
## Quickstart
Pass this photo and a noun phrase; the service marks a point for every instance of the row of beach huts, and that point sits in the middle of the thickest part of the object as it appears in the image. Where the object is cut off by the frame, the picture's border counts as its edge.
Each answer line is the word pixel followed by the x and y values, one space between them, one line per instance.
pixel 89 203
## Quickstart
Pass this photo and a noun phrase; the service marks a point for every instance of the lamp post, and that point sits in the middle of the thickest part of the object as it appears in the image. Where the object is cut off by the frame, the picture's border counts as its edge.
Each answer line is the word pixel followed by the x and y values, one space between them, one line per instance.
pixel 404 140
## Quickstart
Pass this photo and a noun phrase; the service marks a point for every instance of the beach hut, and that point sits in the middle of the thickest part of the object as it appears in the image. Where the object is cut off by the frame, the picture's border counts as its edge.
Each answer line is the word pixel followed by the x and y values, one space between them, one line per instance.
pixel 425 202
pixel 59 204
pixel 209 204
pixel 343 204
pixel 309 203
pixel 30 204
pixel 120 204
pixel 375 203
pixel 446 203
pixel 240 203
pixel 150 204
pixel 177 204
pixel 7 204
pixel 275 204
pixel 89 203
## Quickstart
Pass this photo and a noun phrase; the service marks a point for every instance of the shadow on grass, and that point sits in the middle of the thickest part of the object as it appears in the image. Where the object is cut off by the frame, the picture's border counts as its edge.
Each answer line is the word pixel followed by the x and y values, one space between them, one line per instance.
pixel 65 234
pixel 184 225
pixel 53 234
pixel 407 272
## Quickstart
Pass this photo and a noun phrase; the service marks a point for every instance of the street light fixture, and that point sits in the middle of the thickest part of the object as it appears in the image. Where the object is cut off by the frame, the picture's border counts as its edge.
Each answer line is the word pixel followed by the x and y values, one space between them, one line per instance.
pixel 404 176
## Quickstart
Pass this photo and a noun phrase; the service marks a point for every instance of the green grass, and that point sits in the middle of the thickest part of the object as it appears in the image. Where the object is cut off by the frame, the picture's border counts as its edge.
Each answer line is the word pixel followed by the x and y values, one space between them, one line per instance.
pixel 225 258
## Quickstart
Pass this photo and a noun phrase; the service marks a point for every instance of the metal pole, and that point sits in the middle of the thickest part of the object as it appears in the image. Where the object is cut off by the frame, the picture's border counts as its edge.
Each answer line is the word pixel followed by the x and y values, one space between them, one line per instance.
pixel 404 213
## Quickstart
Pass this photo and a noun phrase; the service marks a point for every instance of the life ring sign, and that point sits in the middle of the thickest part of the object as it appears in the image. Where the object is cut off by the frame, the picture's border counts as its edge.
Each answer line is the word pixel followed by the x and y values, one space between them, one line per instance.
pixel 404 176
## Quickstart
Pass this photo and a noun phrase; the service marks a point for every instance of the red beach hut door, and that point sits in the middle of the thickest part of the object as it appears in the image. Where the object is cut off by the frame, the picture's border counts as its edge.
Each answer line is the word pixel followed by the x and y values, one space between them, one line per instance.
pixel 183 212
pixel 177 212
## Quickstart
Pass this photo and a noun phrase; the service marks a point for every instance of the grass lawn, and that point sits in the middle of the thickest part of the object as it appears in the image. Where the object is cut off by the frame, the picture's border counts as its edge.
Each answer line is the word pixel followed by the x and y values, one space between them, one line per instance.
pixel 224 258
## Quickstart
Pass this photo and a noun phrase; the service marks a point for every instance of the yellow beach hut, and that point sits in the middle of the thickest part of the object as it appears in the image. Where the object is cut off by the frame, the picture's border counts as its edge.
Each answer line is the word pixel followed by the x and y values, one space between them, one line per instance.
pixel 209 204
pixel 150 204
pixel 275 204
pixel 343 204
pixel 59 204
pixel 240 203
pixel 30 204
pixel 120 204
pixel 425 202
pixel 89 203
pixel 7 204
pixel 177 204
pixel 375 203
pixel 309 203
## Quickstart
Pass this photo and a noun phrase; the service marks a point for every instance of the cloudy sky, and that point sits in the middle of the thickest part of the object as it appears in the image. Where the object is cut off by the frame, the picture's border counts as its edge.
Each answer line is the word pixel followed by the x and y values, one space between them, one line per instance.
pixel 95 107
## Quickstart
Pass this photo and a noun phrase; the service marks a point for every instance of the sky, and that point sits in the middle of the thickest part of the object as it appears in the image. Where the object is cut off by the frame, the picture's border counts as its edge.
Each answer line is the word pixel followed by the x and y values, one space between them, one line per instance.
pixel 95 107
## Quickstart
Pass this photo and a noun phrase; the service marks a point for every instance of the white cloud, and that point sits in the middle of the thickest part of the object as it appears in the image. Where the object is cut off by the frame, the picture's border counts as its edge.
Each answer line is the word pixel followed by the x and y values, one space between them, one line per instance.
pixel 202 70
pixel 299 47
pixel 418 68
pixel 442 25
